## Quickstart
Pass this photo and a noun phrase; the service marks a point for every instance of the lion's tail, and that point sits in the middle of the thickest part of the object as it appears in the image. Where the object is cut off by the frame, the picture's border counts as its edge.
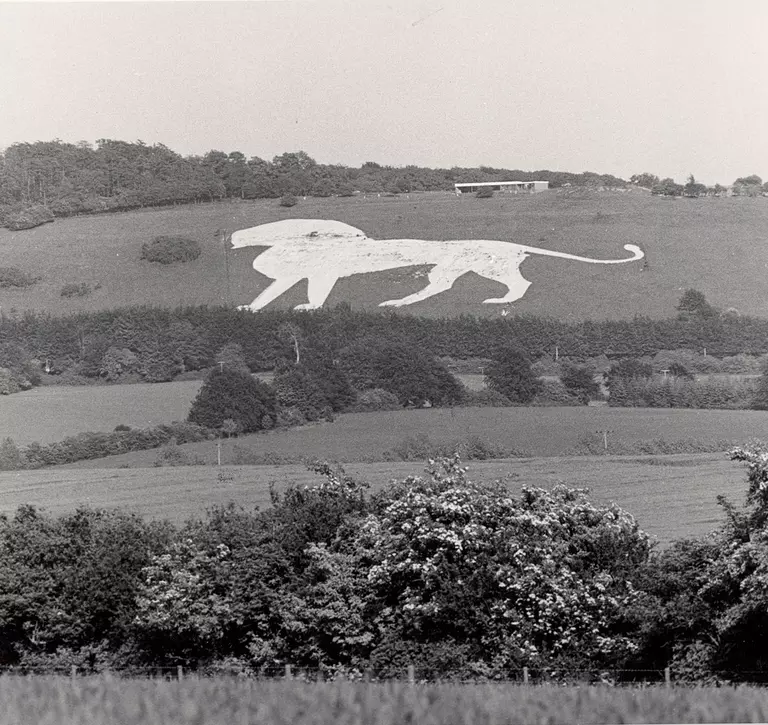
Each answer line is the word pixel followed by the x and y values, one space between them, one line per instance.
pixel 637 253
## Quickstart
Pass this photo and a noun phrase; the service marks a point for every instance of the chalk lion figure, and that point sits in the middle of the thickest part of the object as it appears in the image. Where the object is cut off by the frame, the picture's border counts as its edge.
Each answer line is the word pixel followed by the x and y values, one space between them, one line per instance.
pixel 323 250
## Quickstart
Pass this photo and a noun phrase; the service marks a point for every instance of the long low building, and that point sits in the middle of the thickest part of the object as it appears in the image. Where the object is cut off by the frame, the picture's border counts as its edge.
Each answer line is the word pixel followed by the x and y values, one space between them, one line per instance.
pixel 513 187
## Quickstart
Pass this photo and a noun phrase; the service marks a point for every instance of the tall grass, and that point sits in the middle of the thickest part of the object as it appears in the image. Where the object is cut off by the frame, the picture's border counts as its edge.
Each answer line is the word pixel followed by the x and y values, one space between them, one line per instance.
pixel 222 701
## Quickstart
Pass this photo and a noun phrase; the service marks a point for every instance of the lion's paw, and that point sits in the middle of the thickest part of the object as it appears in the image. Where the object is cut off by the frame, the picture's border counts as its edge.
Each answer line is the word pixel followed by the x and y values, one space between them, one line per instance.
pixel 391 303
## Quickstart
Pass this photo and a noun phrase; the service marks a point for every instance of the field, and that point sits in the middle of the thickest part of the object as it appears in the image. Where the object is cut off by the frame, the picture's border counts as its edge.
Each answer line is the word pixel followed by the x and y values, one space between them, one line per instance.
pixel 365 437
pixel 671 496
pixel 98 701
pixel 714 245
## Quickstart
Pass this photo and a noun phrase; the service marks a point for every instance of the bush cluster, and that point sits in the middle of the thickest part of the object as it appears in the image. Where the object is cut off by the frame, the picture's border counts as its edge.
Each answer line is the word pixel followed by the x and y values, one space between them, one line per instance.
pixel 88 446
pixel 170 249
pixel 78 289
pixel 15 277
pixel 457 579
pixel 28 217
pixel 682 393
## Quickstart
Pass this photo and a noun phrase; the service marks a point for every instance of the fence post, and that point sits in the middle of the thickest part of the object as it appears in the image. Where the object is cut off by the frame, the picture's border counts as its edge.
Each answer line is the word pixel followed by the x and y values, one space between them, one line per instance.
pixel 667 677
pixel 411 675
pixel 288 675
pixel 73 671
pixel 525 675
pixel 180 672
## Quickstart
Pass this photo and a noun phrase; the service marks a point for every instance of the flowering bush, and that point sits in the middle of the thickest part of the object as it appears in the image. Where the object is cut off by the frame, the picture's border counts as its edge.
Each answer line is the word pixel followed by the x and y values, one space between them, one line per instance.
pixel 539 581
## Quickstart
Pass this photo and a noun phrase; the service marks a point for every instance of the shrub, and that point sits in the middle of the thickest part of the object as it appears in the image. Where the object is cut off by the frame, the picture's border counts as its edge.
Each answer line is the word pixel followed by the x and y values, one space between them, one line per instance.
pixel 88 446
pixel 372 399
pixel 510 374
pixel 171 455
pixel 288 200
pixel 28 218
pixel 579 381
pixel 11 456
pixel 15 277
pixel 552 393
pixel 485 192
pixel 413 375
pixel 167 250
pixel 485 398
pixel 9 382
pixel 231 394
pixel 77 289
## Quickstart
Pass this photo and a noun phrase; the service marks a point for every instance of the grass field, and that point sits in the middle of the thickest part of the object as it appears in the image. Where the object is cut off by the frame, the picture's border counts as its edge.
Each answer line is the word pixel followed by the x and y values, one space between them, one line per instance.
pixel 715 245
pixel 101 701
pixel 364 437
pixel 671 496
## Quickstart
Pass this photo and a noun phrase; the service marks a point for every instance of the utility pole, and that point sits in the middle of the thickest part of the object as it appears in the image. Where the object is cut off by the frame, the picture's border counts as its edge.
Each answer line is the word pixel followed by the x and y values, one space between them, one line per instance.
pixel 226 236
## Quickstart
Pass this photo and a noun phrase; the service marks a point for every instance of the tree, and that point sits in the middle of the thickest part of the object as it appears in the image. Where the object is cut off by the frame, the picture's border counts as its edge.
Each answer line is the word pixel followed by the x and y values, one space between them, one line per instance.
pixel 413 375
pixel 667 187
pixel 497 581
pixel 693 305
pixel 693 189
pixel 510 374
pixel 229 394
pixel 627 370
pixel 748 186
pixel 760 398
pixel 579 380
pixel 646 180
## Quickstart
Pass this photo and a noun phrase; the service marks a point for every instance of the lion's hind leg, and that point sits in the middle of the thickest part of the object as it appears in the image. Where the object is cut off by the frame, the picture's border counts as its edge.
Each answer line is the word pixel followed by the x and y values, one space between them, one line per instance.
pixel 319 286
pixel 441 279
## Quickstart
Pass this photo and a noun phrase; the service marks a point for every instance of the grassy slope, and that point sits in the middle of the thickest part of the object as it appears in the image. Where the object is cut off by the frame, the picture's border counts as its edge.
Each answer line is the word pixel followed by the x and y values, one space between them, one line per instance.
pixel 671 496
pixel 715 245
pixel 365 437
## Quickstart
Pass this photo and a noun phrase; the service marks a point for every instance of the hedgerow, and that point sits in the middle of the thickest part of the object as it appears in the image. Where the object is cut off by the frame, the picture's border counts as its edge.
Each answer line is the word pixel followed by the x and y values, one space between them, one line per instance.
pixel 88 446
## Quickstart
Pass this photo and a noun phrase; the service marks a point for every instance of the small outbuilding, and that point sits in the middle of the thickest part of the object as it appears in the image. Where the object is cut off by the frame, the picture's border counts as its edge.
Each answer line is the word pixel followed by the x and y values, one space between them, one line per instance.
pixel 509 187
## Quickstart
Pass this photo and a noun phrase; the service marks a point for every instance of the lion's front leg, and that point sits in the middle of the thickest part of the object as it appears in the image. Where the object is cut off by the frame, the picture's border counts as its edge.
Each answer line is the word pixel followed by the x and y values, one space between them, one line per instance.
pixel 319 287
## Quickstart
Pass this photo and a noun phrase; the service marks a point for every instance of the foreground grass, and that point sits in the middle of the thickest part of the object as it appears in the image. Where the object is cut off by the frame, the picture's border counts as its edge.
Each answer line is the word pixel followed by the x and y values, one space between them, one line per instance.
pixel 96 701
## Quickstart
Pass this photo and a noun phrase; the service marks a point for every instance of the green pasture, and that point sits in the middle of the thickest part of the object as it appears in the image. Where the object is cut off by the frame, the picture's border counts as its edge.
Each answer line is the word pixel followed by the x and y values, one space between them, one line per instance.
pixel 548 431
pixel 715 245
pixel 671 496
pixel 225 701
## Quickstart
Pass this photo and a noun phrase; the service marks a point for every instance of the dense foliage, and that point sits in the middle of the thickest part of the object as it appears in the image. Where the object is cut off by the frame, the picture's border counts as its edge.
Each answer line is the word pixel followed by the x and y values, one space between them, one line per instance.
pixel 167 250
pixel 236 396
pixel 46 178
pixel 88 446
pixel 454 578
pixel 408 372
pixel 509 373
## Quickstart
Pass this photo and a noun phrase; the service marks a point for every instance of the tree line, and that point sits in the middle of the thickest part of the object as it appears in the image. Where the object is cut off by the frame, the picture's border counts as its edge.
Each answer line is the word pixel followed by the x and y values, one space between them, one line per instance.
pixel 156 344
pixel 454 578
pixel 750 186
pixel 52 178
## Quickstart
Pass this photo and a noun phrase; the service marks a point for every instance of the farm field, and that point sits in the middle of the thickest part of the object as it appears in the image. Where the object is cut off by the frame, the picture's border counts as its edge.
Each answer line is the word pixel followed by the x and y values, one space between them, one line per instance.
pixel 671 496
pixel 51 413
pixel 222 701
pixel 365 437
pixel 683 241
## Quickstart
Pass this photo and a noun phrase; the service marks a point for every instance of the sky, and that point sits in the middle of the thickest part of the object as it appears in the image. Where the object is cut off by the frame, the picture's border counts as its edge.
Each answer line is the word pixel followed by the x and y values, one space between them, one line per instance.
pixel 611 86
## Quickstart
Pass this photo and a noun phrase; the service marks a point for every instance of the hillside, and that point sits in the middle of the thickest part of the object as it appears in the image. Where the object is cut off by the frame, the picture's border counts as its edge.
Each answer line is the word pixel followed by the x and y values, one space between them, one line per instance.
pixel 713 244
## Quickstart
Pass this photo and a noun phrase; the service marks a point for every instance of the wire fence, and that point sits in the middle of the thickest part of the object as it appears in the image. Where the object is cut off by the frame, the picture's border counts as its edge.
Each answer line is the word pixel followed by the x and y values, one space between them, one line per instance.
pixel 410 675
